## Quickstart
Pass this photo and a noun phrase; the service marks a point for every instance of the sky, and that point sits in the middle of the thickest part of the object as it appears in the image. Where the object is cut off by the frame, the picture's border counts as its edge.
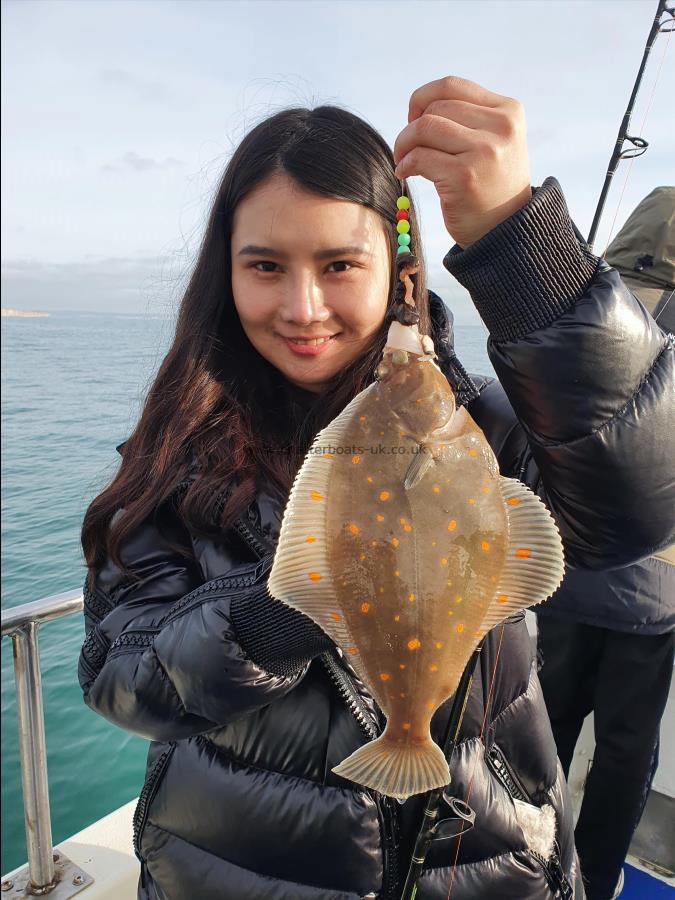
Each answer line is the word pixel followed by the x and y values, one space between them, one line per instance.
pixel 119 117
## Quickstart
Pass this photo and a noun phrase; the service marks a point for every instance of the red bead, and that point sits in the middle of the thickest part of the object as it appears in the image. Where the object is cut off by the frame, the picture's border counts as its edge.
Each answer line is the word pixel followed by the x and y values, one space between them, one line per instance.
pixel 402 214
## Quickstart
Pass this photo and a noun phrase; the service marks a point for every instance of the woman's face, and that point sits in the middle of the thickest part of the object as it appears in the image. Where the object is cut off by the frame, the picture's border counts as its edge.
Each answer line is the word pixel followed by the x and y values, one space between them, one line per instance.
pixel 307 267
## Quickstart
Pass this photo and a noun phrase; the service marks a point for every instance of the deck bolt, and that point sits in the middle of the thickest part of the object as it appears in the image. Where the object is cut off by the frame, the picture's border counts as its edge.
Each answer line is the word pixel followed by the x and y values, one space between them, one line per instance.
pixel 7 885
pixel 78 879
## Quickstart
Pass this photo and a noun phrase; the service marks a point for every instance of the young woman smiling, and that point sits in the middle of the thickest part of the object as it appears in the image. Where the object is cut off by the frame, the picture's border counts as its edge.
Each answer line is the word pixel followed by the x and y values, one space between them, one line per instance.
pixel 247 703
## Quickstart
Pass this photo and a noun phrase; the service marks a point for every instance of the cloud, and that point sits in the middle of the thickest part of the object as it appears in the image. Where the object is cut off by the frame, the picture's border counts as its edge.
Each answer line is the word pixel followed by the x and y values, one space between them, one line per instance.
pixel 137 163
pixel 147 90
pixel 106 285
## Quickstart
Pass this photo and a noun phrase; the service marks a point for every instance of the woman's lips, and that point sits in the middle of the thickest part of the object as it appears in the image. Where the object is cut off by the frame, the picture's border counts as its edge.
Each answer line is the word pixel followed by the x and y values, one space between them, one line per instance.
pixel 309 349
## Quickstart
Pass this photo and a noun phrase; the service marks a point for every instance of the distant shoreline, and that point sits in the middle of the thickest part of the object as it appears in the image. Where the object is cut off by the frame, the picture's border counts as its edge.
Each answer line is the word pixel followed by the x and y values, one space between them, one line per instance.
pixel 27 313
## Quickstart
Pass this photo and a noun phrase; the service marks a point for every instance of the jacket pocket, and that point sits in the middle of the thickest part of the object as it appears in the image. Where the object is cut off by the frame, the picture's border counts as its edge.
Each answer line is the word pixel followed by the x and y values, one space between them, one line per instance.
pixel 152 783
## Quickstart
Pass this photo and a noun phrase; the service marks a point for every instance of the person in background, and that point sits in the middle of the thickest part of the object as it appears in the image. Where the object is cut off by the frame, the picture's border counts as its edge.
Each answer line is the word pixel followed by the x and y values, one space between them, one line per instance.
pixel 644 253
pixel 605 639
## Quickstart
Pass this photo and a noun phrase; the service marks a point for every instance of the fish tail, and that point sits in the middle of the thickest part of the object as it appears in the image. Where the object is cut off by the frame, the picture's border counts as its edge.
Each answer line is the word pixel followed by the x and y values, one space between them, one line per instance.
pixel 395 768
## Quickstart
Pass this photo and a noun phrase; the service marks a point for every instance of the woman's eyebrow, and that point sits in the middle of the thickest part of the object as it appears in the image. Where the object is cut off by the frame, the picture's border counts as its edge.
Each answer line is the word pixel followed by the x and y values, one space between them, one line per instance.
pixel 255 250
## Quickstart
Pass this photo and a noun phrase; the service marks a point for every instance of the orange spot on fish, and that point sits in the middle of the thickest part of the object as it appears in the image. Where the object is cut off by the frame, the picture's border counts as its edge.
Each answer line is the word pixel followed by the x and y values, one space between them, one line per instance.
pixel 406 726
pixel 493 578
pixel 471 501
pixel 356 460
pixel 513 501
pixel 431 706
pixel 402 696
pixel 412 597
pixel 433 668
pixel 384 676
pixel 473 452
pixel 460 628
pixel 458 598
pixel 444 561
pixel 433 543
pixel 395 542
pixel 369 479
pixel 402 666
pixel 452 524
pixel 315 495
pixel 381 590
pixel 407 528
pixel 523 553
pixel 365 607
pixel 384 495
pixel 485 546
pixel 380 518
pixel 436 489
pixel 402 520
pixel 362 556
pixel 353 651
pixel 327 456
pixel 362 418
pixel 414 644
pixel 487 489
pixel 502 598
pixel 439 645
pixel 402 434
pixel 397 573
pixel 373 543
pixel 314 576
pixel 450 612
pixel 397 618
pixel 354 528
pixel 336 617
pixel 419 400
pixel 310 539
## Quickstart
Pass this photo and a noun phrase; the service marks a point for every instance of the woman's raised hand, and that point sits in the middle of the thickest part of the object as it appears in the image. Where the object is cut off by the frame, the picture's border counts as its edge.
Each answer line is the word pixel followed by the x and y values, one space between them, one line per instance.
pixel 472 144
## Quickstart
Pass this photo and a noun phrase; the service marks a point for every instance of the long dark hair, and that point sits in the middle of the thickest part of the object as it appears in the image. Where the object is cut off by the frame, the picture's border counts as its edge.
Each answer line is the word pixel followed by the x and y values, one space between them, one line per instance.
pixel 216 407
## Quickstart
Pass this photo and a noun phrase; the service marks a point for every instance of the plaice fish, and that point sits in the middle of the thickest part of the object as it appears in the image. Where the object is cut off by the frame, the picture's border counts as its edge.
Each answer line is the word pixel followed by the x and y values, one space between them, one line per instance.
pixel 403 542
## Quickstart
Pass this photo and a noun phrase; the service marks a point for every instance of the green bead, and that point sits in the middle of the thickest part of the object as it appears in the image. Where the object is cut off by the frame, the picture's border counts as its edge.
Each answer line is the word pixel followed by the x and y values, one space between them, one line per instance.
pixel 402 250
pixel 404 240
pixel 403 227
pixel 403 203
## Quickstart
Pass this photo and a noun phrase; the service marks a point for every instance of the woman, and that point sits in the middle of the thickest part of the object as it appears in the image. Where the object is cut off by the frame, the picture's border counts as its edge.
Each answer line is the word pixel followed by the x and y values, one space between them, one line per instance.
pixel 248 704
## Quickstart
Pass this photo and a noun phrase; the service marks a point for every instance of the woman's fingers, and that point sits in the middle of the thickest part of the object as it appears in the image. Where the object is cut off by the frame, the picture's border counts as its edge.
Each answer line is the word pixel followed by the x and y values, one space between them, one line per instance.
pixel 451 88
pixel 435 133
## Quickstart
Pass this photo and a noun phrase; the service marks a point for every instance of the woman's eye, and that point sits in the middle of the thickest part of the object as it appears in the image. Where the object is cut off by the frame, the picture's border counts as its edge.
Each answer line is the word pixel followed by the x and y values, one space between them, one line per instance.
pixel 264 263
pixel 341 263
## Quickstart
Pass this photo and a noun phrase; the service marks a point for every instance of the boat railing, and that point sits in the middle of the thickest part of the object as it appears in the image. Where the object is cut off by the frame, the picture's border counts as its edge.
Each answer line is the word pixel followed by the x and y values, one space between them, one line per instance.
pixel 21 624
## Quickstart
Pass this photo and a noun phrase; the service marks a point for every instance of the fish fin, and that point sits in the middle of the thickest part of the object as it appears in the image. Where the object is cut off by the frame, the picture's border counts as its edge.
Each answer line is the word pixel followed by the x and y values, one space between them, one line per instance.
pixel 418 468
pixel 396 769
pixel 300 574
pixel 534 565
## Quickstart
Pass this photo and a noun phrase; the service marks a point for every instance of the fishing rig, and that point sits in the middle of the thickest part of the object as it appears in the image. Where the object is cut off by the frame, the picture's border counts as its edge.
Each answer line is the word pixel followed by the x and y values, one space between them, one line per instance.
pixel 462 817
pixel 664 21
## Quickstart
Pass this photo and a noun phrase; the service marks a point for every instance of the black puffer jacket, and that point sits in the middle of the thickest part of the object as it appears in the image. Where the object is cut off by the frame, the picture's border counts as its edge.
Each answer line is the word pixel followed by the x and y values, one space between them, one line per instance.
pixel 240 802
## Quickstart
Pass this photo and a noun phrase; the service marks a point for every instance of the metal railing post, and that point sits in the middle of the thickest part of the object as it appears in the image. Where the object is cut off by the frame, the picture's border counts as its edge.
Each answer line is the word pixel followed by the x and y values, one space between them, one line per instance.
pixel 33 752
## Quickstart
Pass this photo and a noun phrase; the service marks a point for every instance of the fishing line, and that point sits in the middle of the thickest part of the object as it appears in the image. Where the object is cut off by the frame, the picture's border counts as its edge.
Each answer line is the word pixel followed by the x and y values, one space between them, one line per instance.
pixel 469 790
pixel 642 128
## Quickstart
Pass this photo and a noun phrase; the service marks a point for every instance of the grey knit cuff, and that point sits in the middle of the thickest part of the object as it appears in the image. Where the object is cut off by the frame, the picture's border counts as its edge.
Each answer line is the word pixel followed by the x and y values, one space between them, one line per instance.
pixel 279 639
pixel 527 271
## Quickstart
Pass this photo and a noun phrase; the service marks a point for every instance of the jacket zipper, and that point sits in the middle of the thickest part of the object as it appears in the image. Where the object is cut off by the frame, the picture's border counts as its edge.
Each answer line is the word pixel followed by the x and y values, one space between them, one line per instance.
pixel 385 805
pixel 497 762
pixel 147 795
pixel 555 875
pixel 553 870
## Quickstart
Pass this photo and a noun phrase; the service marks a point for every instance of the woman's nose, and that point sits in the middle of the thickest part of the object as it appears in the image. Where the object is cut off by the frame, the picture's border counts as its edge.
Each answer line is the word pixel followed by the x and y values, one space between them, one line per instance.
pixel 304 302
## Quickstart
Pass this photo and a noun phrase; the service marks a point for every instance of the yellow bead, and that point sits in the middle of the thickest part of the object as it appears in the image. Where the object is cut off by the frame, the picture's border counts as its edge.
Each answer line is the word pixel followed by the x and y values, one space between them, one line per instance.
pixel 403 203
pixel 403 227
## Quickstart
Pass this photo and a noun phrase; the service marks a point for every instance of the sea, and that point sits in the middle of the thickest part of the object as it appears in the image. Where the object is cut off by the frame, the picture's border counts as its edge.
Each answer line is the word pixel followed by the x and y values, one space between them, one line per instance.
pixel 72 388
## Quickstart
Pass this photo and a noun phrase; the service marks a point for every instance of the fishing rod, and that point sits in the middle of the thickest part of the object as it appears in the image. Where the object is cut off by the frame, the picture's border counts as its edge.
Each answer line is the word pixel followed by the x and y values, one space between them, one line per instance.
pixel 639 144
pixel 430 829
